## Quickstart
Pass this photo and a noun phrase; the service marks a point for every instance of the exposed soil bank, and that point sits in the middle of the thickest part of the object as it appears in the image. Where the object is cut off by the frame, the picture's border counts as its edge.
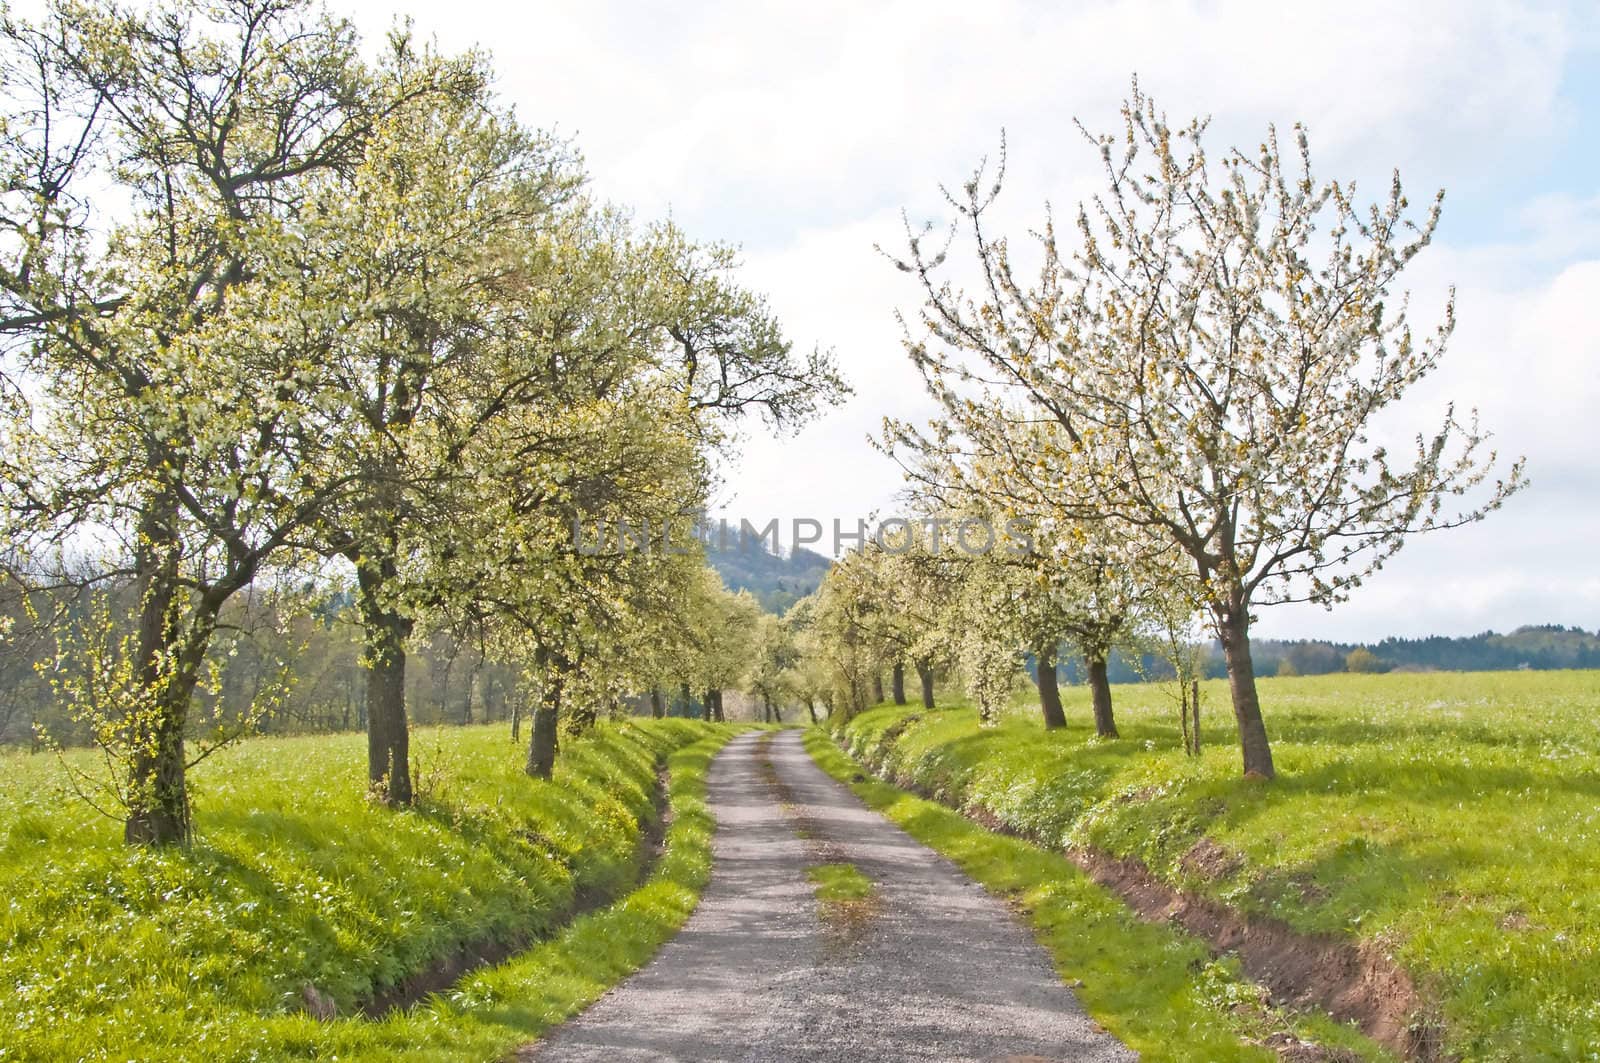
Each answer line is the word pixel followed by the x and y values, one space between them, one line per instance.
pixel 1351 981
pixel 448 969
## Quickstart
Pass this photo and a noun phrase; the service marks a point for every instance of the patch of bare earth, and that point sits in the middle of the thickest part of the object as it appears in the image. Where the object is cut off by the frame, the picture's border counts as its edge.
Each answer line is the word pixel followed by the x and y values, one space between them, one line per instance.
pixel 1351 981
pixel 1210 861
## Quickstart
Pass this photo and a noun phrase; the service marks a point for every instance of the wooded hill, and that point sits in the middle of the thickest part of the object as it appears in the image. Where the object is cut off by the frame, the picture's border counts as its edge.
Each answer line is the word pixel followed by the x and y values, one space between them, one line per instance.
pixel 777 582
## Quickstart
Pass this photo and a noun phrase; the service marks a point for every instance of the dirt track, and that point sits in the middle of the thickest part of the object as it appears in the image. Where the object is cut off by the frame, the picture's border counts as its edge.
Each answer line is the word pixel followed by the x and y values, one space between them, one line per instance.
pixel 936 969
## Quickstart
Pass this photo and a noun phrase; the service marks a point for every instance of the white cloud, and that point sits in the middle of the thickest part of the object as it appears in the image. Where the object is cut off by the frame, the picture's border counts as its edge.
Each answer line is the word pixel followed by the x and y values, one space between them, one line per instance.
pixel 800 129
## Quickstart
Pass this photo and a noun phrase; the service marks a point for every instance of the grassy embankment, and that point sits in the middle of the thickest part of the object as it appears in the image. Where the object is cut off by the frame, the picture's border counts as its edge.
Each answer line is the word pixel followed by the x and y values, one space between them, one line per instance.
pixel 295 879
pixel 1450 820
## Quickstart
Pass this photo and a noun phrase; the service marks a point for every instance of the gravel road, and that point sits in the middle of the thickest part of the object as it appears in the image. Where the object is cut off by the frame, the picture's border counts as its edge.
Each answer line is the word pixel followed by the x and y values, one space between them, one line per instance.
pixel 935 969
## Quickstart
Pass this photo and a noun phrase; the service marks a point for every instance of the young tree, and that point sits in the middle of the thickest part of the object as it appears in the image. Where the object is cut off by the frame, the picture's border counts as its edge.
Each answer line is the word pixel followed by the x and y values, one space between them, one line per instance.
pixel 843 632
pixel 1214 385
pixel 987 634
pixel 808 677
pixel 772 659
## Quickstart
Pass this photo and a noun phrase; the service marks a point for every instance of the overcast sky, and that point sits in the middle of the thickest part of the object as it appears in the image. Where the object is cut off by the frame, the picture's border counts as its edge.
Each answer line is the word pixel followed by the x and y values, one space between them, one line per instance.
pixel 800 131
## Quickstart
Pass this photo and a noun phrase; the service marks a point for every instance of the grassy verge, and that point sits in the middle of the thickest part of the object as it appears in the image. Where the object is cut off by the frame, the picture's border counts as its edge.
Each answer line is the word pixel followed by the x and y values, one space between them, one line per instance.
pixel 203 953
pixel 1448 820
pixel 1156 989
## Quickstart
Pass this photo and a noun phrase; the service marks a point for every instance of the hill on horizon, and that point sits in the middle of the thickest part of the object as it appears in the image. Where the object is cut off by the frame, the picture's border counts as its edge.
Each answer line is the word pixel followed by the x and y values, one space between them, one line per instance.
pixel 777 582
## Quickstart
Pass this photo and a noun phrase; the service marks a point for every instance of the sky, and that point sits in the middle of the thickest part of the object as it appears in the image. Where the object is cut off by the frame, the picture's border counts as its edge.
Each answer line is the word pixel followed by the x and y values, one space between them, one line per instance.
pixel 801 131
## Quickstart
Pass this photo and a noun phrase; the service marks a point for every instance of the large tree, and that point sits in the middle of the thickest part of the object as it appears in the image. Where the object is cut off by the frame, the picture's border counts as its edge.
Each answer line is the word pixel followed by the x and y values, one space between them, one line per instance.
pixel 1215 348
pixel 154 168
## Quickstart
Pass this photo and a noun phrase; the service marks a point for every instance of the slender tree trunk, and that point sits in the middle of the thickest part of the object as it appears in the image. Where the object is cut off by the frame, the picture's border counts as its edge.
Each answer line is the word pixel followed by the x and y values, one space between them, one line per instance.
pixel 1194 708
pixel 516 714
pixel 388 734
pixel 1233 625
pixel 546 717
pixel 656 709
pixel 897 683
pixel 925 674
pixel 158 795
pixel 1050 690
pixel 687 699
pixel 1105 724
pixel 716 700
pixel 877 688
pixel 710 707
pixel 811 707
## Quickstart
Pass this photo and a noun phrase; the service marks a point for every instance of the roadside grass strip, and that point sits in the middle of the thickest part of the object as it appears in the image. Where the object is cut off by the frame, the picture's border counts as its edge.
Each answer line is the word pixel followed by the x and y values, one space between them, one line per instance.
pixel 499 1008
pixel 296 880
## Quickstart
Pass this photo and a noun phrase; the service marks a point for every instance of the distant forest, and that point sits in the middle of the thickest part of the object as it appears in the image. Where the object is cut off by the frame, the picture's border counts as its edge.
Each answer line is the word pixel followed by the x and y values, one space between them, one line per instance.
pixel 1537 646
pixel 778 582
pixel 455 680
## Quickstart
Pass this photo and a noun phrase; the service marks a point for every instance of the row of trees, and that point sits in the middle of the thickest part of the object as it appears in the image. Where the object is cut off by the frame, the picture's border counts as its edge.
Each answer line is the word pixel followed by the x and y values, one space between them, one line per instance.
pixel 1178 397
pixel 301 657
pixel 275 313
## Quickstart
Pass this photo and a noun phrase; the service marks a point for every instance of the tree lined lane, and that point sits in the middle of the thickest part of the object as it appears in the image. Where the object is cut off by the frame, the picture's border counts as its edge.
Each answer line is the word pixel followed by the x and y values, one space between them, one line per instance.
pixel 937 969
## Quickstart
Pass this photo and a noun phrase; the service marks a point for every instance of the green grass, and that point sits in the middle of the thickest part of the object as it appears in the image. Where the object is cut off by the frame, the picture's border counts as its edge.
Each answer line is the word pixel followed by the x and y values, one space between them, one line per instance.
pixel 202 953
pixel 839 883
pixel 1453 819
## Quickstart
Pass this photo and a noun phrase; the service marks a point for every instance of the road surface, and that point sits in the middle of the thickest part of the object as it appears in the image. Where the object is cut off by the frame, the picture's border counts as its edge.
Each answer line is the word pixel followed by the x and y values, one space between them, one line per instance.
pixel 933 968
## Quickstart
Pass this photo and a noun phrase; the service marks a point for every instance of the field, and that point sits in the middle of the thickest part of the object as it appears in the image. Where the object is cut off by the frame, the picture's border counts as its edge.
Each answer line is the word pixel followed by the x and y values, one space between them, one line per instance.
pixel 1451 820
pixel 296 880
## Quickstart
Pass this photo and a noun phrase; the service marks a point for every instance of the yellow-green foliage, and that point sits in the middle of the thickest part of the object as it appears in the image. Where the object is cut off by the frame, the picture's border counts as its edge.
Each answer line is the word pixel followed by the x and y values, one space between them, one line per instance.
pixel 839 883
pixel 115 953
pixel 1454 818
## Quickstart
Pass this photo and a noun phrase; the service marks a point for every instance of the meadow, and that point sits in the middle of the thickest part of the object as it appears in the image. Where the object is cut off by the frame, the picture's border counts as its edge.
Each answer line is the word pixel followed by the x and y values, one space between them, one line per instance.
pixel 1451 820
pixel 296 880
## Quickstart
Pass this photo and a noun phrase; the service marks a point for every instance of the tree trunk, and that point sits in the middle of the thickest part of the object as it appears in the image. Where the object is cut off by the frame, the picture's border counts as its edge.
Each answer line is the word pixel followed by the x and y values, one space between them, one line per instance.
pixel 158 796
pixel 710 707
pixel 388 736
pixel 1233 626
pixel 516 714
pixel 716 700
pixel 542 748
pixel 897 683
pixel 1105 725
pixel 811 707
pixel 925 674
pixel 687 699
pixel 1050 690
pixel 473 681
pixel 877 688
pixel 656 709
